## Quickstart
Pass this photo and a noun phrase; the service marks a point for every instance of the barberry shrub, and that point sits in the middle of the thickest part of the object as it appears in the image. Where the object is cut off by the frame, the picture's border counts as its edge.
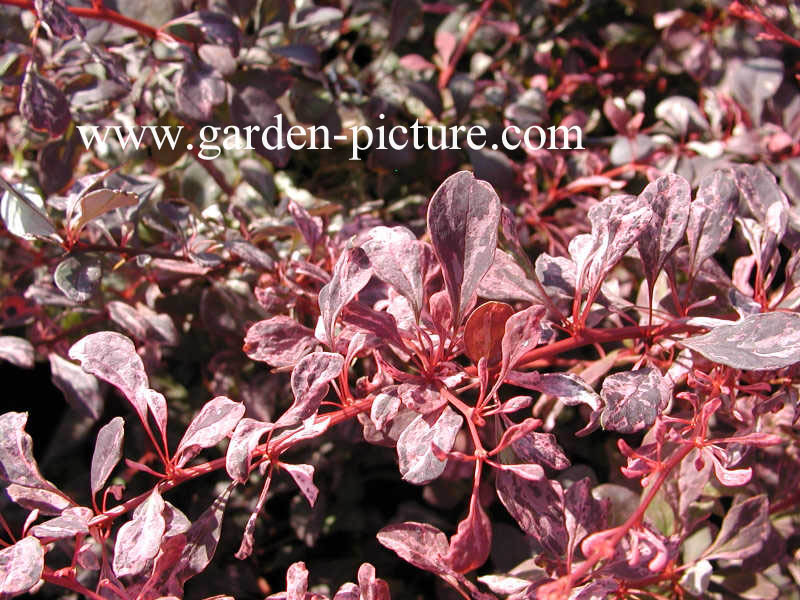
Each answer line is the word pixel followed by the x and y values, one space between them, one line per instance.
pixel 380 369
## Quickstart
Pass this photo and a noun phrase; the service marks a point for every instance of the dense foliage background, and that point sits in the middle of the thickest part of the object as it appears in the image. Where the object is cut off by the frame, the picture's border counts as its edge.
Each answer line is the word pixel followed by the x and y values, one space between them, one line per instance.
pixel 623 460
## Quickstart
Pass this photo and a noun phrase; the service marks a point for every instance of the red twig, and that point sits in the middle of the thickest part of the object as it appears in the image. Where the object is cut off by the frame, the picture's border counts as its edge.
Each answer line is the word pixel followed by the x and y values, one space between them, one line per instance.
pixel 447 73
pixel 737 9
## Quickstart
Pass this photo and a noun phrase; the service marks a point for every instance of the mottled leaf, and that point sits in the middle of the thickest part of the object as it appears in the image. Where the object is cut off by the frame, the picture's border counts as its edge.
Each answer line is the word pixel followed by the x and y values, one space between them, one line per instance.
pixel 279 341
pixel 418 464
pixel 463 217
pixel 198 89
pixel 303 476
pixel 711 216
pixel 569 388
pixel 211 425
pixel 56 15
pixel 743 531
pixel 420 544
pixel 311 228
pixel 139 539
pixel 583 514
pixel 758 342
pixel 26 219
pixel 71 522
pixel 633 400
pixel 310 381
pixel 43 105
pixel 90 205
pixel 243 441
pixel 350 274
pixel 17 464
pixel 21 566
pixel 107 452
pixel 668 198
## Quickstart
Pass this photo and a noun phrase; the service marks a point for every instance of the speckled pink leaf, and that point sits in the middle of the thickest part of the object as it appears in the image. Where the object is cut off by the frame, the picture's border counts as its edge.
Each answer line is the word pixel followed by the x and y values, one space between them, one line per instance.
pixel 139 539
pixel 303 476
pixel 711 216
pixel 420 544
pixel 758 342
pixel 668 198
pixel 418 464
pixel 279 341
pixel 350 274
pixel 632 399
pixel 243 441
pixel 463 216
pixel 743 531
pixel 296 581
pixel 311 379
pixel 211 425
pixel 21 566
pixel 107 452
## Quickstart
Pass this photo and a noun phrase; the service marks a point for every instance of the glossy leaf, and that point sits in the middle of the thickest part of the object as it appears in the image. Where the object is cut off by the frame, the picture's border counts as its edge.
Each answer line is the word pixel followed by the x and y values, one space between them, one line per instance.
pixel 107 452
pixel 17 464
pixel 213 423
pixel 758 342
pixel 43 105
pixel 633 399
pixel 463 216
pixel 351 273
pixel 418 464
pixel 483 332
pixel 21 566
pixel 420 544
pixel 279 341
pixel 243 441
pixel 93 204
pixel 303 476
pixel 310 381
pixel 470 546
pixel 743 531
pixel 139 539
pixel 26 219
pixel 79 277
pixel 711 216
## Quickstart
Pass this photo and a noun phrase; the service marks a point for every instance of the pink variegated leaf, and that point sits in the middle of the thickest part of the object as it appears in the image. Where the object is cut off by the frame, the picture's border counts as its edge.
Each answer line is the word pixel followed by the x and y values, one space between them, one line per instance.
pixel 568 388
pixel 139 539
pixel 157 405
pixel 347 591
pixel 80 389
pixel 249 535
pixel 507 280
pixel 421 398
pixel 418 463
pixel 369 586
pixel 521 335
pixel 21 567
pixel 583 513
pixel 398 259
pixel 46 501
pixel 463 216
pixel 311 228
pixel 668 198
pixel 516 403
pixel 695 471
pixel 469 547
pixel 71 522
pixel 303 476
pixel 310 381
pixel 213 423
pixel 16 350
pixel 515 432
pixel 350 274
pixel 385 406
pixel 731 477
pixel 420 544
pixel 379 323
pixel 633 399
pixel 540 448
pixel 711 217
pixel 532 472
pixel 112 357
pixel 279 341
pixel 296 581
pixel 744 529
pixel 107 452
pixel 243 441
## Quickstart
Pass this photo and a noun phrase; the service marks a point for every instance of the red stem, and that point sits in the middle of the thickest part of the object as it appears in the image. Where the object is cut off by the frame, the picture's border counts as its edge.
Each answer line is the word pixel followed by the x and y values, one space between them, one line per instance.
pixel 444 76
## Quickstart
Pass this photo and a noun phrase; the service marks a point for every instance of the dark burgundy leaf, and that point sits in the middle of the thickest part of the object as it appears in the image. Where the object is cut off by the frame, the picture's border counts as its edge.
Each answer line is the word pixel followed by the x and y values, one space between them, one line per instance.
pixel 758 342
pixel 418 464
pixel 310 227
pixel 695 471
pixel 568 388
pixel 112 357
pixel 79 276
pixel 16 350
pixel 463 217
pixel 470 546
pixel 538 508
pixel 252 105
pixel 401 18
pixel 198 90
pixel 633 399
pixel 379 323
pixel 398 259
pixel 744 529
pixel 215 27
pixel 311 379
pixel 91 204
pixel 243 441
pixel 484 332
pixel 541 448
pixel 668 198
pixel 56 15
pixel 43 105
pixel 107 452
pixel 303 476
pixel 139 539
pixel 253 255
pixel 279 341
pixel 81 390
pixel 299 54
pixel 213 423
pixel 351 273
pixel 21 567
pixel 583 513
pixel 711 217
pixel 420 544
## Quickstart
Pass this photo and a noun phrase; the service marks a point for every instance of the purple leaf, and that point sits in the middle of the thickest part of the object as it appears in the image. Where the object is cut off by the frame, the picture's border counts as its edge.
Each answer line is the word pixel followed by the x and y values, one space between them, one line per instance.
pixel 198 89
pixel 43 105
pixel 107 452
pixel 279 341
pixel 17 464
pixel 89 205
pixel 350 274
pixel 243 441
pixel 81 390
pixel 379 323
pixel 16 350
pixel 311 379
pixel 522 333
pixel 617 222
pixel 583 514
pixel 633 399
pixel 695 471
pixel 73 521
pixel 252 105
pixel 506 280
pixel 21 567
pixel 157 404
pixel 385 407
pixel 112 357
pixel 311 228
pixel 56 15
pixel 668 198
pixel 418 464
pixel 24 215
pixel 420 544
pixel 541 448
pixel 758 342
pixel 469 547
pixel 347 591
pixel 538 508
pixel 398 259
pixel 463 216
pixel 421 398
pixel 139 539
pixel 516 431
pixel 303 476
pixel 711 217
pixel 743 531
pixel 568 388
pixel 296 581
pixel 213 423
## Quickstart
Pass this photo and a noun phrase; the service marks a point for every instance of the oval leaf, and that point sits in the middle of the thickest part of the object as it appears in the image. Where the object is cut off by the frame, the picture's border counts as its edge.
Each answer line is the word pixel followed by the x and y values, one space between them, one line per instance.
pixel 21 567
pixel 213 423
pixel 107 452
